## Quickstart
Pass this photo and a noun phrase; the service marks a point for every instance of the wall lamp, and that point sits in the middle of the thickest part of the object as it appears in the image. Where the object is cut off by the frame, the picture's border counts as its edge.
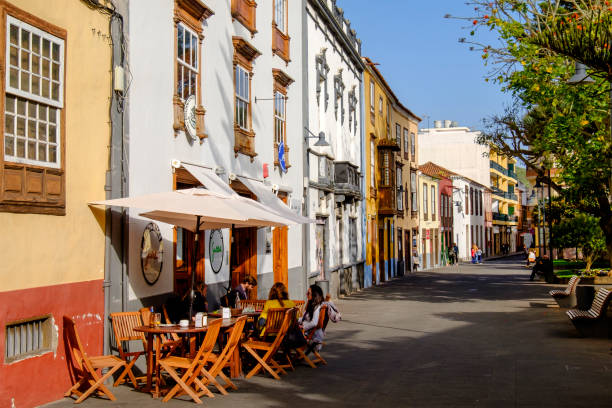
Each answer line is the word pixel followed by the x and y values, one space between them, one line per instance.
pixel 321 142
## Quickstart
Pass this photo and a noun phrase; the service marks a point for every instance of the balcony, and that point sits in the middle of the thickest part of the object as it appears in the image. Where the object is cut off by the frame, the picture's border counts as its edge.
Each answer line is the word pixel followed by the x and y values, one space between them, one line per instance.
pixel 325 179
pixel 347 179
pixel 387 203
pixel 500 217
pixel 511 174
pixel 389 143
pixel 509 196
pixel 498 167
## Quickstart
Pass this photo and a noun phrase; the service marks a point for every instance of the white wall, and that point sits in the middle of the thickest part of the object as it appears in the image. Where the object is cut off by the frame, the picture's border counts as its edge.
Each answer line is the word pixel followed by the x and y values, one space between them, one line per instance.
pixel 455 149
pixel 461 220
pixel 153 143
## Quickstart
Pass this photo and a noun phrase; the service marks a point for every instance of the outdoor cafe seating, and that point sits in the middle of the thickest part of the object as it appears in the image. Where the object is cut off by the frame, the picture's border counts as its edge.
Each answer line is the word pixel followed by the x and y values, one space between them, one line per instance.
pixel 175 368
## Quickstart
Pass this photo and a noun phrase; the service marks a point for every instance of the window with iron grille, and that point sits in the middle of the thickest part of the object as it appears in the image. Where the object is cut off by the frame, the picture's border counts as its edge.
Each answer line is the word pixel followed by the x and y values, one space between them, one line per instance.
pixel 28 338
pixel 386 170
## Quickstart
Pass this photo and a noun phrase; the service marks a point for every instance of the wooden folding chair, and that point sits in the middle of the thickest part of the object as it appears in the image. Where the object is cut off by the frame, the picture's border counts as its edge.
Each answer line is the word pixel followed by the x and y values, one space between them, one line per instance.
pixel 209 375
pixel 168 344
pixel 257 304
pixel 175 336
pixel 85 368
pixel 123 328
pixel 302 352
pixel 274 321
pixel 192 367
pixel 269 348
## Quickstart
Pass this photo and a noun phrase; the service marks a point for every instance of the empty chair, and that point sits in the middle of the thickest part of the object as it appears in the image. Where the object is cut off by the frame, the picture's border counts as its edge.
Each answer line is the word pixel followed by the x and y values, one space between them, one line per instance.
pixel 593 322
pixel 566 297
pixel 85 368
pixel 123 328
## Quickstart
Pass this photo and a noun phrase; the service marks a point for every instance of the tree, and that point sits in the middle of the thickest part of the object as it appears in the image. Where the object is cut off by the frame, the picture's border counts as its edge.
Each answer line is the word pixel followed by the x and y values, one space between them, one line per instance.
pixel 551 123
pixel 582 231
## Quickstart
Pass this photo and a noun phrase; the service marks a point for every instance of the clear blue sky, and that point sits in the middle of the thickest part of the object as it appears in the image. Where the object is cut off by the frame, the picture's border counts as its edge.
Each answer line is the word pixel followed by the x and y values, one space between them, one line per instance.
pixel 423 62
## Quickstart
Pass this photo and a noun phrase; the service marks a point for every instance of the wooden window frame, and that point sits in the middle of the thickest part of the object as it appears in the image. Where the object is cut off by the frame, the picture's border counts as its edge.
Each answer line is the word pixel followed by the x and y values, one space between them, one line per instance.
pixel 398 135
pixel 191 14
pixel 281 83
pixel 245 12
pixel 406 144
pixel 433 203
pixel 412 146
pixel 244 55
pixel 414 193
pixel 25 187
pixel 280 38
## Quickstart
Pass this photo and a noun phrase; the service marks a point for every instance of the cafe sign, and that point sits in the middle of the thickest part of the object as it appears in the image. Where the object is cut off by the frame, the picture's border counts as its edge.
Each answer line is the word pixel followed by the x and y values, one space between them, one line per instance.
pixel 215 250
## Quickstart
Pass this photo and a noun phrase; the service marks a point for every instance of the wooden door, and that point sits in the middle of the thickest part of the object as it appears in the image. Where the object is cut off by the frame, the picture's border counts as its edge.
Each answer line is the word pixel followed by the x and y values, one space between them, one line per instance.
pixel 407 251
pixel 184 246
pixel 243 256
pixel 424 252
pixel 280 252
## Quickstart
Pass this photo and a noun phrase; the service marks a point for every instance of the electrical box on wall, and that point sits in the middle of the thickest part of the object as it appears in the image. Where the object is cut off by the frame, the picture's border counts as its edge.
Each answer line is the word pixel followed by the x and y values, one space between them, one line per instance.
pixel 119 77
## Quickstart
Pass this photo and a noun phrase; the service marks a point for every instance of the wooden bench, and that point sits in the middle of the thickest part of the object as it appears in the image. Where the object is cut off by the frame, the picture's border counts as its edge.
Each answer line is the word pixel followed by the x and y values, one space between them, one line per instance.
pixel 566 298
pixel 593 322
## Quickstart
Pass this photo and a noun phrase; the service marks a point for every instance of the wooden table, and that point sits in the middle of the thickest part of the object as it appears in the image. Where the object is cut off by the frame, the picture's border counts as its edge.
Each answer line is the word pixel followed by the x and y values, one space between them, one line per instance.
pixel 153 337
pixel 237 315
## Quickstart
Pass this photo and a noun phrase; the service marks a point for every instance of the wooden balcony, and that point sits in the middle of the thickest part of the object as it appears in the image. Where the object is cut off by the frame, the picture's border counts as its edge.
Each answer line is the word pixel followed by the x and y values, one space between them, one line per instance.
pixel 387 204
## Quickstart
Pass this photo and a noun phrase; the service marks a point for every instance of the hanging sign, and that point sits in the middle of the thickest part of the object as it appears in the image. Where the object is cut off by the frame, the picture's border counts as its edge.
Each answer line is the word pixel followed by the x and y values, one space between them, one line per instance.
pixel 215 250
pixel 281 156
pixel 151 253
pixel 190 117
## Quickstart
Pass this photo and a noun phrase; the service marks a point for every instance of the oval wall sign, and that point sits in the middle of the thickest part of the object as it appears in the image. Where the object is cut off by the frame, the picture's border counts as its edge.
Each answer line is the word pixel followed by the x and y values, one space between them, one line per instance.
pixel 215 250
pixel 190 116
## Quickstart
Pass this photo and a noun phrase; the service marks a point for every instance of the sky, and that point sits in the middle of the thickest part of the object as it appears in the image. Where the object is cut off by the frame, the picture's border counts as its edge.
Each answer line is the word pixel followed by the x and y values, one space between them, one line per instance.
pixel 432 74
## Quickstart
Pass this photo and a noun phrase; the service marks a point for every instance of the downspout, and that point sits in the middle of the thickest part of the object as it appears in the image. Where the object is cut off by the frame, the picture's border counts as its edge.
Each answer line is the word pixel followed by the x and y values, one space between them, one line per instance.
pixel 305 155
pixel 116 176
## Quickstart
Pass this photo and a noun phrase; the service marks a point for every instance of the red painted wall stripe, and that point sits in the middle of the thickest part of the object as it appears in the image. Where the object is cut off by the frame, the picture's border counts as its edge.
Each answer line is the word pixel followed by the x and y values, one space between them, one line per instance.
pixel 84 302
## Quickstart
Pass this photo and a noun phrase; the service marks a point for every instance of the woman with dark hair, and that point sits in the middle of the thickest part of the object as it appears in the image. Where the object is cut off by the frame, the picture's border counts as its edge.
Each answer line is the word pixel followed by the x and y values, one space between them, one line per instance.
pixel 277 298
pixel 311 316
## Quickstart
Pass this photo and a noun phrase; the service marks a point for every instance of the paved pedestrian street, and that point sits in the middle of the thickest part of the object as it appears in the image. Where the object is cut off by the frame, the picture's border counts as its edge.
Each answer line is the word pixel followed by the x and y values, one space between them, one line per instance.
pixel 467 336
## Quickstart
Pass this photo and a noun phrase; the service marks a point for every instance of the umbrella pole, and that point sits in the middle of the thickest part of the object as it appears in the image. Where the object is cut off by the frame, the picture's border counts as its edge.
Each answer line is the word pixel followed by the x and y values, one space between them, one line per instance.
pixel 194 267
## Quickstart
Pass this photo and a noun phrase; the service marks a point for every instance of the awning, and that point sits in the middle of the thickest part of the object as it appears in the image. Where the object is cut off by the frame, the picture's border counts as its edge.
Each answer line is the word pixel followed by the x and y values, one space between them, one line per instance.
pixel 270 200
pixel 209 179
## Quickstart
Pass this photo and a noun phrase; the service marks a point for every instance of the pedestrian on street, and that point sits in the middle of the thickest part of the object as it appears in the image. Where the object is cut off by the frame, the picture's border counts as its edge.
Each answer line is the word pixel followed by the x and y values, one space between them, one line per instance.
pixel 478 255
pixel 456 252
pixel 474 247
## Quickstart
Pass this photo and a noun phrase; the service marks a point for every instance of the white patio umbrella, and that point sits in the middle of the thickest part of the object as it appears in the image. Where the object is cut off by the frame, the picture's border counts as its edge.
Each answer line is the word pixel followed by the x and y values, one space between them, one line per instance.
pixel 198 209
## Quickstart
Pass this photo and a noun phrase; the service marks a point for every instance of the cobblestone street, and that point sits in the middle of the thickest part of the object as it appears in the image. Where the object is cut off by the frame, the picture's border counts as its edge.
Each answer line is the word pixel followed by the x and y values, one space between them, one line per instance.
pixel 474 335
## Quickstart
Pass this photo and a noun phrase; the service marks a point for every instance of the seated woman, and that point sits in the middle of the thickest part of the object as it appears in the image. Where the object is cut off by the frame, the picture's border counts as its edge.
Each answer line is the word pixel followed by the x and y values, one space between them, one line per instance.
pixel 309 321
pixel 277 298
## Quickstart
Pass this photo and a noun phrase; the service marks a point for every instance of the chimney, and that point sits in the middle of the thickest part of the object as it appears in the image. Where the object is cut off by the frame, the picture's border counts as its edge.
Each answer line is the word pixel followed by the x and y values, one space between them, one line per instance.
pixel 437 124
pixel 447 123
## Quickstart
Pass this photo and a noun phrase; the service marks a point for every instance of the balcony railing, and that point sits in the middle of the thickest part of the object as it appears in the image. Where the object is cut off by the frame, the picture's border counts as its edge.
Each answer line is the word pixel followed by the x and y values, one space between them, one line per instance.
pixel 500 217
pixel 510 196
pixel 347 179
pixel 502 170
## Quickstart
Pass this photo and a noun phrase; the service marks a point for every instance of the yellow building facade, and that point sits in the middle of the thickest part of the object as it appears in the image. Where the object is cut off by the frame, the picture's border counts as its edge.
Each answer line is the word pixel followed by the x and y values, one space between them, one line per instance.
pixel 505 204
pixel 55 157
pixel 405 128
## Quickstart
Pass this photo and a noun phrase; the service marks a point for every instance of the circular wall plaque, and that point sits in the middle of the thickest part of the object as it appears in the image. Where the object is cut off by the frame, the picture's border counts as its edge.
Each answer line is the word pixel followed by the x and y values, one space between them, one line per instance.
pixel 190 116
pixel 151 253
pixel 215 250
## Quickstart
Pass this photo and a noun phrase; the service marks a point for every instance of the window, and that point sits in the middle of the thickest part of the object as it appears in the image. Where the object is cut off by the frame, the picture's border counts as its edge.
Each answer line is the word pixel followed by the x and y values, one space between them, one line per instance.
pixel 386 171
pixel 244 55
pixel 187 48
pixel 339 96
pixel 34 95
pixel 481 202
pixel 467 201
pixel 280 15
pixel 187 62
pixel 380 105
pixel 406 144
pixel 433 201
pixel 412 147
pixel 281 82
pixel 322 71
pixel 32 177
pixel 372 164
pixel 372 96
pixel 398 135
pixel 398 183
pixel 472 201
pixel 242 81
pixel 352 103
pixel 414 192
pixel 425 189
pixel 28 338
pixel 388 121
pixel 279 117
pixel 280 34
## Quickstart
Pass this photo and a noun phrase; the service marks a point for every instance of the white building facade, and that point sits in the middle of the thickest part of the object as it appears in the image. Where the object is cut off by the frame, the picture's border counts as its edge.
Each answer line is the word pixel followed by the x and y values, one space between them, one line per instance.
pixel 456 149
pixel 333 74
pixel 469 216
pixel 216 100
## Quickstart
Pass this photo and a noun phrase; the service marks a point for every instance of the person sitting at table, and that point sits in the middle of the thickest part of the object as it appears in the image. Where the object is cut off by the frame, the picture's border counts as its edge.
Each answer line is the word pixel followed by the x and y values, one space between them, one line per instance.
pixel 277 298
pixel 240 292
pixel 181 311
pixel 309 321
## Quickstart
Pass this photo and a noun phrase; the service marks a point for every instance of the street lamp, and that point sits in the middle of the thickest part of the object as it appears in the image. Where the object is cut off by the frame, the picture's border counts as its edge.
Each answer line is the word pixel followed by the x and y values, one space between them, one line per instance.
pixel 321 142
